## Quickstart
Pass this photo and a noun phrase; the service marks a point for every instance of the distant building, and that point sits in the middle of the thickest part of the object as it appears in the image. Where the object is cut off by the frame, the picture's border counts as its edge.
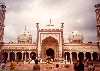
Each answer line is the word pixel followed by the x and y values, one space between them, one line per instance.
pixel 50 43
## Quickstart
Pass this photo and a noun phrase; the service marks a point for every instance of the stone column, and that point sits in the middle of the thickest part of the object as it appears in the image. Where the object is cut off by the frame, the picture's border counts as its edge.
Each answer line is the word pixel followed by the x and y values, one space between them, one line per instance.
pixel 66 58
pixel 77 55
pixel 8 56
pixel 84 55
pixel 22 55
pixel 25 55
pixel 71 56
pixel 91 56
pixel 15 55
pixel 29 54
pixel 57 53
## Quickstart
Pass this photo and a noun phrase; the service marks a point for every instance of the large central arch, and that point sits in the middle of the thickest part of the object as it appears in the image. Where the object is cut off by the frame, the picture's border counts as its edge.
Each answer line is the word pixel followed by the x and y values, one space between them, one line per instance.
pixel 50 53
pixel 52 44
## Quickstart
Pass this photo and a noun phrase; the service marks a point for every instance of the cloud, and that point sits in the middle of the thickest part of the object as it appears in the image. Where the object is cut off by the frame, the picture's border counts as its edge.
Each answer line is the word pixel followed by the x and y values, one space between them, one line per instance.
pixel 21 13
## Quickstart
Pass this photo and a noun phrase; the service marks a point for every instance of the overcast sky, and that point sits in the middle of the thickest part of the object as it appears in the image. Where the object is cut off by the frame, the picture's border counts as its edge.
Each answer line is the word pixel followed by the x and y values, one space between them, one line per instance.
pixel 73 13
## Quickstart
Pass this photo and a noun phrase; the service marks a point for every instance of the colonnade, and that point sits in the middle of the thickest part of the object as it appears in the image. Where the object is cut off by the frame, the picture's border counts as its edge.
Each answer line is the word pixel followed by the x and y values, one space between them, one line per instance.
pixel 20 55
pixel 71 56
pixel 68 56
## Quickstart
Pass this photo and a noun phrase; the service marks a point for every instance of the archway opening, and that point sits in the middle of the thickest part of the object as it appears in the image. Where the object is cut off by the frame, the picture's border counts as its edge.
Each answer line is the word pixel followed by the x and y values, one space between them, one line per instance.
pixel 19 55
pixel 52 44
pixel 50 53
pixel 95 56
pixel 12 56
pixel 81 56
pixel 67 56
pixel 88 55
pixel 5 55
pixel 33 55
pixel 26 56
pixel 74 56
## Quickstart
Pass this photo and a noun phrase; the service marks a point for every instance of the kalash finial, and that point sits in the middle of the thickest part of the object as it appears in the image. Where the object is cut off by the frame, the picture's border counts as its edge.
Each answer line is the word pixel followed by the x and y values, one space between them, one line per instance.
pixel 97 5
pixel 50 21
pixel 62 25
pixel 75 28
pixel 2 5
pixel 25 28
pixel 50 24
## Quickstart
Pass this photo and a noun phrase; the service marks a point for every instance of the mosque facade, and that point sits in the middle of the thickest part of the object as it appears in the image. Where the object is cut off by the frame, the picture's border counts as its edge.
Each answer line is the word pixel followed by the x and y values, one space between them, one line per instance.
pixel 49 43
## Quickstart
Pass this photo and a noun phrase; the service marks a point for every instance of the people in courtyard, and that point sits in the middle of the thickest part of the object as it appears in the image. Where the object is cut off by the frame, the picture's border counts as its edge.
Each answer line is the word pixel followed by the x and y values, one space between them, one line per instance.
pixel 3 65
pixel 91 67
pixel 75 66
pixel 80 66
pixel 87 61
pixel 29 60
pixel 57 68
pixel 13 65
pixel 36 66
pixel 51 60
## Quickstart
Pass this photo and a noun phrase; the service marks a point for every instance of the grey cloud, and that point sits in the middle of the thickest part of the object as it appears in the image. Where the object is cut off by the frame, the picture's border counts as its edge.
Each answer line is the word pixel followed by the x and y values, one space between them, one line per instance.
pixel 52 2
pixel 80 14
pixel 16 5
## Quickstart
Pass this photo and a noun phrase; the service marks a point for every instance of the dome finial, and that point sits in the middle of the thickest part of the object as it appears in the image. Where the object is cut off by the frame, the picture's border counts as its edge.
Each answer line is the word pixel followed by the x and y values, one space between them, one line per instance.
pixel 50 24
pixel 75 28
pixel 50 21
pixel 25 28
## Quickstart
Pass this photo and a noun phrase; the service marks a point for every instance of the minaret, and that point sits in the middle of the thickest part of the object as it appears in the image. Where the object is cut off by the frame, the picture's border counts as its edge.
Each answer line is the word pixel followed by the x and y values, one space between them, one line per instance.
pixel 2 18
pixel 37 25
pixel 97 6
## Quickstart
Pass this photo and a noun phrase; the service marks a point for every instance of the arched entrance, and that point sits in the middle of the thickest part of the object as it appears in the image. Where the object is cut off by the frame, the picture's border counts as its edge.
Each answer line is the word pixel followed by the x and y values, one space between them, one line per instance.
pixel 12 56
pixel 19 55
pixel 5 55
pixel 68 56
pixel 49 43
pixel 81 56
pixel 88 55
pixel 33 55
pixel 74 56
pixel 50 53
pixel 95 56
pixel 25 55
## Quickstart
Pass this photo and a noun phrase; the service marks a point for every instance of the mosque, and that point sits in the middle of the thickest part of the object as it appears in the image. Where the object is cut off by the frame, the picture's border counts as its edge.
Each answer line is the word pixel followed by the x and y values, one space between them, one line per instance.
pixel 49 43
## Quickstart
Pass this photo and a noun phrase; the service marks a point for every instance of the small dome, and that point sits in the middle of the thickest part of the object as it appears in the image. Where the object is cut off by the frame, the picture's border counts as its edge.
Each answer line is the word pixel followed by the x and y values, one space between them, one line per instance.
pixel 25 37
pixel 75 37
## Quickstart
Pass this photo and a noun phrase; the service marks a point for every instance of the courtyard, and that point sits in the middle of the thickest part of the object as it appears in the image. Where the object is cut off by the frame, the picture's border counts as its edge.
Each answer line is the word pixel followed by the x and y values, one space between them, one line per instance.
pixel 50 67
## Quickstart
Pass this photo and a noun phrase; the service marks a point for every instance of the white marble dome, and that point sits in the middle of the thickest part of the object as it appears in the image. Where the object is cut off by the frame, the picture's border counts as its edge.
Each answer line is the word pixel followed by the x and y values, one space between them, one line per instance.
pixel 25 37
pixel 75 37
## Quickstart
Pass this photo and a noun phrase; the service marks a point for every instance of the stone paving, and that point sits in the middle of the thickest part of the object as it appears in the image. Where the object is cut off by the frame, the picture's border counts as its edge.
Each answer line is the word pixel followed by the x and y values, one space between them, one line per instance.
pixel 46 67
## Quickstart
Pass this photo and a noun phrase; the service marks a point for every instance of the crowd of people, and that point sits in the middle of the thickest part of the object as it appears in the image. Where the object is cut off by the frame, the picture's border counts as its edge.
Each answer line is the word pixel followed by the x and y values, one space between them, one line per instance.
pixel 3 65
pixel 78 66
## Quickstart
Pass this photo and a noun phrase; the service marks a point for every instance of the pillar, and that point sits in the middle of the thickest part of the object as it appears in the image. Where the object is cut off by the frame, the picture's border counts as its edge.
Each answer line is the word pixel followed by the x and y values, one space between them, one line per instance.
pixel 25 55
pixel 71 56
pixel 84 55
pixel 91 56
pixel 29 54
pixel 66 58
pixel 22 55
pixel 77 55
pixel 15 55
pixel 8 56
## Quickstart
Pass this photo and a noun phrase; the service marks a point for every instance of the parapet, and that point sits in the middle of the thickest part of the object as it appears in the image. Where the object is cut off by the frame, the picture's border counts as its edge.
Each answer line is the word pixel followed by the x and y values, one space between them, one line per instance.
pixel 49 30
